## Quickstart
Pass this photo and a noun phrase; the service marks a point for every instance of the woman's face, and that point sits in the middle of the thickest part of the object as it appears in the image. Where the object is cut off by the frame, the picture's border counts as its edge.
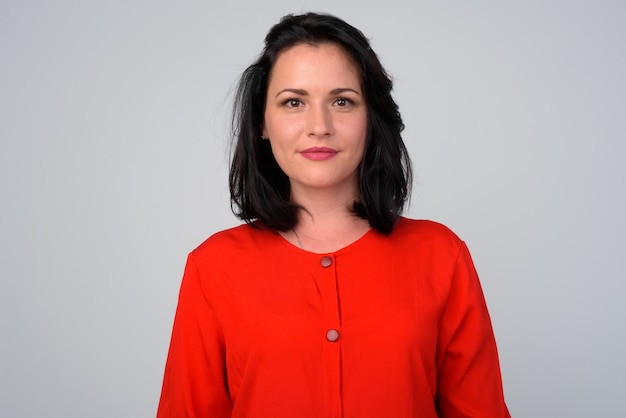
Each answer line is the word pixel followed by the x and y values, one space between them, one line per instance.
pixel 316 117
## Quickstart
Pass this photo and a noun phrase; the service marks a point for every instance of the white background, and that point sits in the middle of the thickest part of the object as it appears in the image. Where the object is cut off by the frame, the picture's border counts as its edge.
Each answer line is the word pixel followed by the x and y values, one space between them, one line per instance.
pixel 113 166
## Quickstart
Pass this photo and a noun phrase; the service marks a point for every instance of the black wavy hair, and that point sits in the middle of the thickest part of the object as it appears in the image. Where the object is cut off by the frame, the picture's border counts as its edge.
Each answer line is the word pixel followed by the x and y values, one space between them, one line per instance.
pixel 260 190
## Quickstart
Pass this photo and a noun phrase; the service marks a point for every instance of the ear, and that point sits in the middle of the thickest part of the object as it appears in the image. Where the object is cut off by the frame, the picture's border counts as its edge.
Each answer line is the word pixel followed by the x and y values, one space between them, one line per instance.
pixel 264 133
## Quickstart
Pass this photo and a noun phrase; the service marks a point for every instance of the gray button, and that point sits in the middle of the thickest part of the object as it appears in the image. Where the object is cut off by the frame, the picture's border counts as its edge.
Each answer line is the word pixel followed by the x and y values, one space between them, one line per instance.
pixel 332 335
pixel 326 261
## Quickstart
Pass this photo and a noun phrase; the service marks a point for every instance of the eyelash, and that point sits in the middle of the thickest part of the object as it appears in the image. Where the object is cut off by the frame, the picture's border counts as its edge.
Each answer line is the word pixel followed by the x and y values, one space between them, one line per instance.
pixel 292 102
pixel 347 101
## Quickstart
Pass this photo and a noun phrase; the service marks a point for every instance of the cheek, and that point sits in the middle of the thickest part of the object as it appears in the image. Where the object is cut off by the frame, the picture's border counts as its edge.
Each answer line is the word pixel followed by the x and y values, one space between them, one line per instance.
pixel 357 131
pixel 280 150
pixel 270 121
pixel 274 127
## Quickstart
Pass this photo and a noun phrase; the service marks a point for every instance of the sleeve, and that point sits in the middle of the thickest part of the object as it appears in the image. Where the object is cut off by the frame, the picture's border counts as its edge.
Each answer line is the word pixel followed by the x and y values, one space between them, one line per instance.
pixel 469 382
pixel 194 384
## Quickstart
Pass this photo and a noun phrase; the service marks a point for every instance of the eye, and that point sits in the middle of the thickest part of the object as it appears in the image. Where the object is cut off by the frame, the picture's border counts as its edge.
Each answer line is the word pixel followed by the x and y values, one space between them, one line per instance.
pixel 291 102
pixel 342 102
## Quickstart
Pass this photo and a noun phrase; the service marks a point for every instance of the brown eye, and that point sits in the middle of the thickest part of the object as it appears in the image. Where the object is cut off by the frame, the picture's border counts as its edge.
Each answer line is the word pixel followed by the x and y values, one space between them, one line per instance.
pixel 342 102
pixel 292 103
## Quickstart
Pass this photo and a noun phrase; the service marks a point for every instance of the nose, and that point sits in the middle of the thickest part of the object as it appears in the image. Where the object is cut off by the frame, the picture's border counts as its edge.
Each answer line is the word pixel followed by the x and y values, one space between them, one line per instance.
pixel 319 122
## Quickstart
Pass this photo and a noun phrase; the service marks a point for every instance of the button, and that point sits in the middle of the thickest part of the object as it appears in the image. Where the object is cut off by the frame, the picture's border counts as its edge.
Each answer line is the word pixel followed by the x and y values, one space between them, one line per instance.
pixel 332 335
pixel 326 262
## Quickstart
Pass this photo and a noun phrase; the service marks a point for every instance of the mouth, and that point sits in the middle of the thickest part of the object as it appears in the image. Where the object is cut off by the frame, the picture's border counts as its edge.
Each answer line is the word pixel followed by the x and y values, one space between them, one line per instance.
pixel 318 153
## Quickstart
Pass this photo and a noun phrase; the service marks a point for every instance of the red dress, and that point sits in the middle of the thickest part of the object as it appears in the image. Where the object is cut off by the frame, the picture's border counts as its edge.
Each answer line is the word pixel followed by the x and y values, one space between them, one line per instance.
pixel 389 326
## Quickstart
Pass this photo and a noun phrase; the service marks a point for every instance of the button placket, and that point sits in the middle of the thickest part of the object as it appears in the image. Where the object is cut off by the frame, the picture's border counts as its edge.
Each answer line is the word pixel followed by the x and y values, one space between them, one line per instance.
pixel 332 347
pixel 330 297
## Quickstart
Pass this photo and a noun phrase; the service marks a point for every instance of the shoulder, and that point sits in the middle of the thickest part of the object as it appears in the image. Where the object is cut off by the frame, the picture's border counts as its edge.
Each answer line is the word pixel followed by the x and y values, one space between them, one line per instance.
pixel 425 238
pixel 235 244
pixel 234 241
pixel 242 244
pixel 424 230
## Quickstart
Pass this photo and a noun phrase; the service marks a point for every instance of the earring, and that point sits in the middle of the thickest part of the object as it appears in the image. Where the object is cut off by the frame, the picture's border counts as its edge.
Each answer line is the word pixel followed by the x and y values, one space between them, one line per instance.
pixel 264 138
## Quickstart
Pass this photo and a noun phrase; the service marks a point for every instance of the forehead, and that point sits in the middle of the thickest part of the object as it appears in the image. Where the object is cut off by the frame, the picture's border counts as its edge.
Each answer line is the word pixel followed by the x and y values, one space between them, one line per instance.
pixel 319 60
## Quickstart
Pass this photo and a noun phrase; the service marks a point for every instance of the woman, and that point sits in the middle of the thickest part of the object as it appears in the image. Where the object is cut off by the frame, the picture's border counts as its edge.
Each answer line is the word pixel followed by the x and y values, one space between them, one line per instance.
pixel 327 303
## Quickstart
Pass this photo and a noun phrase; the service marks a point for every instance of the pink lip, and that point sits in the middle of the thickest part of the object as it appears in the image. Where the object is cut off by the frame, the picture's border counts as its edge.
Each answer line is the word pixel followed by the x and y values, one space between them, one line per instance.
pixel 318 153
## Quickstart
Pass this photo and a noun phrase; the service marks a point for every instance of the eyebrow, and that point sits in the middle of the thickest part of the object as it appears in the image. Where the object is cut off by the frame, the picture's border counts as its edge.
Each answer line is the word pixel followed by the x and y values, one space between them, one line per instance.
pixel 302 92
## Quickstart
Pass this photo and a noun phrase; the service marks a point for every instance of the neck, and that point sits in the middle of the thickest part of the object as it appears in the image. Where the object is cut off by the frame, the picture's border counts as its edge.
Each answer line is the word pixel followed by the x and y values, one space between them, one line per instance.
pixel 326 224
pixel 324 203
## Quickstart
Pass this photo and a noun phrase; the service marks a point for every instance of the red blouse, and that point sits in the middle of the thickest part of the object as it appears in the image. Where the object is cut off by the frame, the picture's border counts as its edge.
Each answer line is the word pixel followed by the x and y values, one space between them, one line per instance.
pixel 390 326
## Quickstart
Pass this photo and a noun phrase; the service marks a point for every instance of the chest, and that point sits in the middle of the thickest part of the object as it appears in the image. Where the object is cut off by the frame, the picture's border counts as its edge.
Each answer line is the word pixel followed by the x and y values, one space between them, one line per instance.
pixel 284 305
